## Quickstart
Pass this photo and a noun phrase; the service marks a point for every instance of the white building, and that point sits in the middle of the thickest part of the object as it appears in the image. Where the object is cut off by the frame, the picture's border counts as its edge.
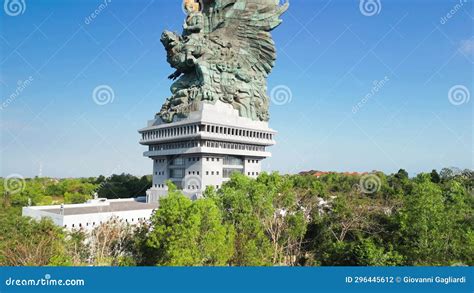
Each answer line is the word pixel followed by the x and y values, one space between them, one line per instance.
pixel 93 213
pixel 204 149
pixel 201 150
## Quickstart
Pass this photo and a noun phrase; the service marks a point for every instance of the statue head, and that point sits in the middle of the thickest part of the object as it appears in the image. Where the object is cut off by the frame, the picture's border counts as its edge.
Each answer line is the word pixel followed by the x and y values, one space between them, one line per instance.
pixel 169 39
pixel 192 6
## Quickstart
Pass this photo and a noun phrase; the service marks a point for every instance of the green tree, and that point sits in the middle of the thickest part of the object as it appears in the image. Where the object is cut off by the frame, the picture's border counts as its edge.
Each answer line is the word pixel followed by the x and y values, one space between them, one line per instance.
pixel 26 242
pixel 402 174
pixel 187 233
pixel 75 198
pixel 423 223
pixel 244 208
pixel 435 178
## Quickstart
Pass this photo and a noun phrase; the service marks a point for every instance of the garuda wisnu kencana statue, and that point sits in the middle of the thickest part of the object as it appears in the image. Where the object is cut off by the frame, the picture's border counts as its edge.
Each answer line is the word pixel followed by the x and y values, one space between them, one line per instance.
pixel 224 53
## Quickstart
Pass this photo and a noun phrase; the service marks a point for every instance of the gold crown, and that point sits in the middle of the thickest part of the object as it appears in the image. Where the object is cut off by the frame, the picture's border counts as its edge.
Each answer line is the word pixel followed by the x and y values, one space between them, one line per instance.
pixel 191 5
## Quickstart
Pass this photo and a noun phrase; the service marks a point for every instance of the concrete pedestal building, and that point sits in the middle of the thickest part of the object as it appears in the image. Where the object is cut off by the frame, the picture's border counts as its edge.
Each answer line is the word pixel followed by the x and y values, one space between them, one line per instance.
pixel 204 149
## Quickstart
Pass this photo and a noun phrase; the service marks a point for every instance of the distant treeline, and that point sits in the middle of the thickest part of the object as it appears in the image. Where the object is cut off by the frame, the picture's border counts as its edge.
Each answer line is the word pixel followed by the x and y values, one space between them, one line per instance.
pixel 292 220
pixel 47 191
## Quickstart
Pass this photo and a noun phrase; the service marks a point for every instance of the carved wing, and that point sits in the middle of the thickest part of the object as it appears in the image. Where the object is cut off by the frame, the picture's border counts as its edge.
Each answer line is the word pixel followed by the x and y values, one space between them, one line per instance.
pixel 247 24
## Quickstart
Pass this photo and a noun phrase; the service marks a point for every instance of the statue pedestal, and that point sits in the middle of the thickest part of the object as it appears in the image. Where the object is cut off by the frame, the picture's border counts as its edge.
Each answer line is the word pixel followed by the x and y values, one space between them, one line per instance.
pixel 204 149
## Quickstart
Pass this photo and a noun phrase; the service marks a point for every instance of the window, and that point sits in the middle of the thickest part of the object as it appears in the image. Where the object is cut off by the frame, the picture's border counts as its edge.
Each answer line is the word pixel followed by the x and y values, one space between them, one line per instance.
pixel 233 161
pixel 227 172
pixel 177 173
pixel 207 172
pixel 177 162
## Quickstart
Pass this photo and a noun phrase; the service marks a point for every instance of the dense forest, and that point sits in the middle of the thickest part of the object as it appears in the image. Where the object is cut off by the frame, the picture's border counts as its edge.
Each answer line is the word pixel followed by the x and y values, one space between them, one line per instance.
pixel 275 220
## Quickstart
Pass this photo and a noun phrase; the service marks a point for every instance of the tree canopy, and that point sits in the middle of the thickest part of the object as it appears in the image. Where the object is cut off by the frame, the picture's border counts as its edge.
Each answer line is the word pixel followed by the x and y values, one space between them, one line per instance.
pixel 274 220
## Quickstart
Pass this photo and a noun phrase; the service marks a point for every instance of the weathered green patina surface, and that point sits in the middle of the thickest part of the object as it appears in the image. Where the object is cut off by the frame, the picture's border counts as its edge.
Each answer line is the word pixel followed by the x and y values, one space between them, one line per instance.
pixel 224 53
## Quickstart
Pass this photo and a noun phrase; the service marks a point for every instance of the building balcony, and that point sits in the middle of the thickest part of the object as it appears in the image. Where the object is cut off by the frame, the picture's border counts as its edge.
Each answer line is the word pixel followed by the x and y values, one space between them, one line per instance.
pixel 206 150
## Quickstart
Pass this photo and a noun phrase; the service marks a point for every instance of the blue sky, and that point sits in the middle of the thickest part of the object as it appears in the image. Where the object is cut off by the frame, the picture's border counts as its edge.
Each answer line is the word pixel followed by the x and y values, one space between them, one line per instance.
pixel 329 55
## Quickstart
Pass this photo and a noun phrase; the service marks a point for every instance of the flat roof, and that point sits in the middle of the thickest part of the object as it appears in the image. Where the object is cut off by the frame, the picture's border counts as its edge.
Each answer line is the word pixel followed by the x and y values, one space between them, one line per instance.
pixel 122 206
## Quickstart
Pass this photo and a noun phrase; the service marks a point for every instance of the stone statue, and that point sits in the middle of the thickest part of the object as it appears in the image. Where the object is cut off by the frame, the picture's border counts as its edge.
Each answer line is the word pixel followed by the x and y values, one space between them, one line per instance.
pixel 224 53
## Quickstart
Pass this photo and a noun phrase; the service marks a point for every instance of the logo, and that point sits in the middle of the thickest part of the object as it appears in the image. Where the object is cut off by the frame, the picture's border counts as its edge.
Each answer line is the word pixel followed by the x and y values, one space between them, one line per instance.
pixel 281 95
pixel 14 7
pixel 370 7
pixel 459 95
pixel 370 183
pixel 103 95
pixel 14 183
